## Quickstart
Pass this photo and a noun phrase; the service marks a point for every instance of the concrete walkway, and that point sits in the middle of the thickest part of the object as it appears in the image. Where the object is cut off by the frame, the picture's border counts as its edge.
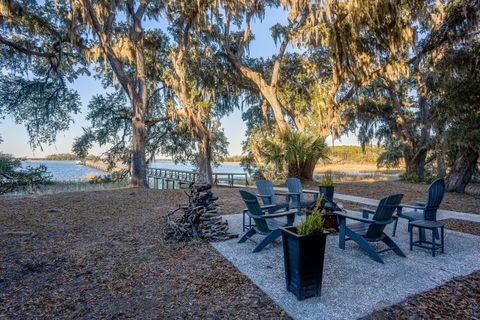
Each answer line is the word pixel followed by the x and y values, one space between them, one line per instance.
pixel 354 285
pixel 441 214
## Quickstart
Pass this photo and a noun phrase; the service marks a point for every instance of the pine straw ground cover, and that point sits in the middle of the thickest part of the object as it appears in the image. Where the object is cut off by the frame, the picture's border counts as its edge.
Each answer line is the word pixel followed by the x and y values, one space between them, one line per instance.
pixel 457 299
pixel 102 255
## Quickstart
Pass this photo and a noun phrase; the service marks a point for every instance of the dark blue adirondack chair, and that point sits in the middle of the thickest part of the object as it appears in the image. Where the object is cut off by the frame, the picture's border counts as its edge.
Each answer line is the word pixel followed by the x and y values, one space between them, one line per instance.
pixel 266 224
pixel 296 193
pixel 268 195
pixel 368 230
pixel 269 199
pixel 423 210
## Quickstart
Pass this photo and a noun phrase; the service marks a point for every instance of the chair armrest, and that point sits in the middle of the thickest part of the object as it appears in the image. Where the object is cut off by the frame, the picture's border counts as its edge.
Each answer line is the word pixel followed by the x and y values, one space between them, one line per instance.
pixel 286 195
pixel 268 196
pixel 315 194
pixel 295 195
pixel 343 215
pixel 267 206
pixel 421 203
pixel 366 212
pixel 412 206
pixel 280 214
pixel 282 194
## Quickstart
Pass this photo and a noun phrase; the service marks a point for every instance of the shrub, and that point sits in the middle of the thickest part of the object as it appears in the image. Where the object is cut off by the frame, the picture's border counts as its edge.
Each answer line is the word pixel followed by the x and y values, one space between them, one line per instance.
pixel 13 177
pixel 428 177
pixel 313 224
pixel 327 180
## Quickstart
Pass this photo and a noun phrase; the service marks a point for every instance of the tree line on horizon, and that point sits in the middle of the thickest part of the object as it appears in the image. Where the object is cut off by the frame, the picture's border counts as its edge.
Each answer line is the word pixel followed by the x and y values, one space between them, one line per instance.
pixel 401 74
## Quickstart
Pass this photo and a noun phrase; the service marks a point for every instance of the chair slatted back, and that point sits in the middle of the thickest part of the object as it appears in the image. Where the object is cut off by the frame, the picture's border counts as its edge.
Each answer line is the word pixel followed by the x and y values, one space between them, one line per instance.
pixel 265 187
pixel 255 211
pixel 294 185
pixel 436 192
pixel 385 210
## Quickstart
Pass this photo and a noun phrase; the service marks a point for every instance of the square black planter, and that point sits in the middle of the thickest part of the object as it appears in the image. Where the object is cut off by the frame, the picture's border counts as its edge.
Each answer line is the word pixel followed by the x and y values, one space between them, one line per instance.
pixel 303 257
pixel 327 191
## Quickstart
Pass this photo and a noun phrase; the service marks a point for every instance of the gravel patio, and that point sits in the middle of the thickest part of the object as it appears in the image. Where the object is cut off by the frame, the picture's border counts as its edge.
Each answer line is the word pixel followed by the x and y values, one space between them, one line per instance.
pixel 354 285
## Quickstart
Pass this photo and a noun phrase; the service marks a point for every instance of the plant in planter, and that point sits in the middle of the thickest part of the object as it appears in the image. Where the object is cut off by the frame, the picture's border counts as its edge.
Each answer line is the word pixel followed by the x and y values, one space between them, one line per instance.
pixel 303 254
pixel 326 186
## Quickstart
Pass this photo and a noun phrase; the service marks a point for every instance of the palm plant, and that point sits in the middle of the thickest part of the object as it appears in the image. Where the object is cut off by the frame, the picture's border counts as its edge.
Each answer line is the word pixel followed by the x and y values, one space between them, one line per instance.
pixel 293 154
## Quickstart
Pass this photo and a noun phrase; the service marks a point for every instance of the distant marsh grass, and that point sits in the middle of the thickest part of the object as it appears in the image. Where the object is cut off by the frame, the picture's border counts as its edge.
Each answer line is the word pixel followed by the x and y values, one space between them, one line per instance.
pixel 70 186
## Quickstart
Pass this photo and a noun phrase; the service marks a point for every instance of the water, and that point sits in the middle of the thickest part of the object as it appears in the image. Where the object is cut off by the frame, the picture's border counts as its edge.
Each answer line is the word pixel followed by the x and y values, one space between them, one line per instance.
pixel 68 171
pixel 63 170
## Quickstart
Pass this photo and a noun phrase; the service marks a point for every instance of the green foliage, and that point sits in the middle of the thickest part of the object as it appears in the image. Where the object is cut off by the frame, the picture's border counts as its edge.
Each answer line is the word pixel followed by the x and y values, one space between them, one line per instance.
pixel 13 177
pixel 37 69
pixel 311 225
pixel 391 156
pixel 286 154
pixel 429 177
pixel 44 106
pixel 100 179
pixel 354 154
pixel 327 180
pixel 61 156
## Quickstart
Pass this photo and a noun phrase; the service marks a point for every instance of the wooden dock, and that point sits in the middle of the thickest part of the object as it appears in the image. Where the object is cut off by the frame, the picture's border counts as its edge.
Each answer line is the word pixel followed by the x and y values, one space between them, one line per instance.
pixel 159 178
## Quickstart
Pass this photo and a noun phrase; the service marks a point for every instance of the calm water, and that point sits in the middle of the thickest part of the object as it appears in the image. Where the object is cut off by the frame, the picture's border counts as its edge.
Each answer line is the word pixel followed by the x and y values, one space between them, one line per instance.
pixel 63 170
pixel 68 171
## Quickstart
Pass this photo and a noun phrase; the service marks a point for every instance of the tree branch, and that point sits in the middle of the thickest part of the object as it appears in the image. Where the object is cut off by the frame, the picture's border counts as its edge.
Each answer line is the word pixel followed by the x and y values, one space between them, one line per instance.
pixel 24 50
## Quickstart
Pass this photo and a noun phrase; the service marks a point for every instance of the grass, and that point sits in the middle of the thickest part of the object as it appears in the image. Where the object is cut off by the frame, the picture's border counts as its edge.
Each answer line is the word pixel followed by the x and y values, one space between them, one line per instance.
pixel 70 186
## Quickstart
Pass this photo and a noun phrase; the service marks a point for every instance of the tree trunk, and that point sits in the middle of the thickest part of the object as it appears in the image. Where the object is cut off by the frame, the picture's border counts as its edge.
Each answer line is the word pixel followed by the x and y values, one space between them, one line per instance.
pixel 205 159
pixel 462 170
pixel 302 169
pixel 415 163
pixel 441 172
pixel 139 163
pixel 307 172
pixel 414 155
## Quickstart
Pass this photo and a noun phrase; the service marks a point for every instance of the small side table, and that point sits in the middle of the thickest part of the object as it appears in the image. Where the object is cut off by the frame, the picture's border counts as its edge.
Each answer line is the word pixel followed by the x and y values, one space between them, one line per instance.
pixel 422 243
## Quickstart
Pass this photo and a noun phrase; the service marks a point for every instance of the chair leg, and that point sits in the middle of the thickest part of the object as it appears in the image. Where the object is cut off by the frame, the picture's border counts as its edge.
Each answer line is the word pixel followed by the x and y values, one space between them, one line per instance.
pixel 389 242
pixel 442 241
pixel 433 244
pixel 341 233
pixel 421 235
pixel 411 238
pixel 364 245
pixel 395 226
pixel 290 220
pixel 247 235
pixel 268 239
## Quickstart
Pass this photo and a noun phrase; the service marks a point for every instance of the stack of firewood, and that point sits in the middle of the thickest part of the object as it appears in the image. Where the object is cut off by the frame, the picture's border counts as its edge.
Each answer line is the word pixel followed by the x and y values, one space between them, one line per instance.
pixel 200 218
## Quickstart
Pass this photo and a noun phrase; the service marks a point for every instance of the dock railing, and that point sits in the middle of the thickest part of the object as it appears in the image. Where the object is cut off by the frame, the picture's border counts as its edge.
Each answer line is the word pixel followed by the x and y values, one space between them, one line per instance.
pixel 167 177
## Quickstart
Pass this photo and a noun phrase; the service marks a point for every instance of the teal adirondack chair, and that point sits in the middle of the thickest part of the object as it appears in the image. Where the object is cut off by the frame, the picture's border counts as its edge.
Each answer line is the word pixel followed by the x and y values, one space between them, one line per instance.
pixel 368 230
pixel 423 210
pixel 268 195
pixel 269 199
pixel 266 224
pixel 296 193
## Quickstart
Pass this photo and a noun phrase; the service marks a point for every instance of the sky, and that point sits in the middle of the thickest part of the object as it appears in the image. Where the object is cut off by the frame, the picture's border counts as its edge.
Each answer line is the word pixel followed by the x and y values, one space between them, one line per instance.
pixel 15 137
